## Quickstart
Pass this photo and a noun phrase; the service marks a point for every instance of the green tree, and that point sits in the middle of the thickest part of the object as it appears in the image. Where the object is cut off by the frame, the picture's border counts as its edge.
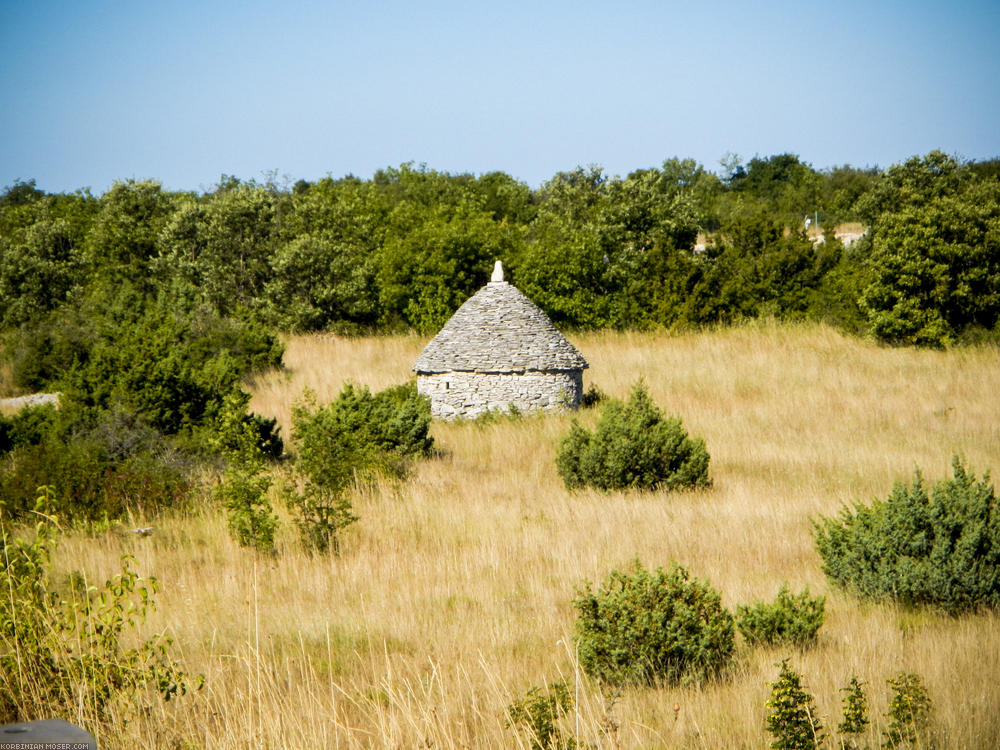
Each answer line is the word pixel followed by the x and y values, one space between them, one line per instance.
pixel 125 233
pixel 441 259
pixel 222 244
pixel 320 282
pixel 935 255
pixel 243 490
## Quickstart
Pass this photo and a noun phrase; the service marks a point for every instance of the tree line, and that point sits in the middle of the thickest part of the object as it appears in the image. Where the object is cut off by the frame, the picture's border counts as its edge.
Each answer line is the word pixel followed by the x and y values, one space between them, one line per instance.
pixel 671 246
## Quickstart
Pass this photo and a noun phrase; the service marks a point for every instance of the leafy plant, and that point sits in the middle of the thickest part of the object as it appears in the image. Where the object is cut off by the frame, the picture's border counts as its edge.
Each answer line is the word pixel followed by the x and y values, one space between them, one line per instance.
pixel 243 490
pixel 592 397
pixel 320 514
pixel 538 713
pixel 909 711
pixel 633 446
pixel 354 437
pixel 102 464
pixel 793 722
pixel 792 618
pixel 940 548
pixel 360 434
pixel 63 651
pixel 855 713
pixel 643 627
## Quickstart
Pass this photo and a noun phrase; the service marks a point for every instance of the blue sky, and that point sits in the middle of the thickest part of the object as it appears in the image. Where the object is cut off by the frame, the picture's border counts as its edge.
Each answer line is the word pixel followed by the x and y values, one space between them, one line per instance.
pixel 184 91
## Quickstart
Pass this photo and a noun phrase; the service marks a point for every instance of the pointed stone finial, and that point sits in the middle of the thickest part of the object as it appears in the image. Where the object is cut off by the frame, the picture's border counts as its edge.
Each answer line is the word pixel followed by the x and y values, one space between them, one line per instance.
pixel 497 272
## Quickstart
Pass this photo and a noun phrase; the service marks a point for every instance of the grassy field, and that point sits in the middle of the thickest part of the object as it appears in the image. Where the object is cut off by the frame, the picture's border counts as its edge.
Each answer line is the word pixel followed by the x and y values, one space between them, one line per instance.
pixel 452 594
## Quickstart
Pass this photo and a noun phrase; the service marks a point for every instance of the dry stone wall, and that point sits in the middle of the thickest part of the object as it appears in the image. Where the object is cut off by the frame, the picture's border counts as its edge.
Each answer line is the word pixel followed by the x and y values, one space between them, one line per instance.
pixel 469 394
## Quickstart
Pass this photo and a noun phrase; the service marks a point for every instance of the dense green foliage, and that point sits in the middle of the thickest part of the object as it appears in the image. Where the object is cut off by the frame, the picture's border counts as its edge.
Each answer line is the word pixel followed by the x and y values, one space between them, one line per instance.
pixel 794 721
pixel 102 464
pixel 633 447
pixel 643 627
pixel 143 383
pixel 359 433
pixel 354 437
pixel 406 247
pixel 69 649
pixel 792 618
pixel 935 252
pixel 940 548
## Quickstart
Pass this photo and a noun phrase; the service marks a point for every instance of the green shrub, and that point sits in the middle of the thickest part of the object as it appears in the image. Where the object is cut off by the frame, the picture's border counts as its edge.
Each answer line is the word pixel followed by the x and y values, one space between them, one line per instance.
pixel 243 493
pixel 793 722
pixel 359 434
pixel 855 713
pixel 643 627
pixel 26 427
pixel 592 397
pixel 319 516
pixel 538 712
pixel 909 711
pixel 792 618
pixel 91 484
pixel 354 437
pixel 633 447
pixel 940 549
pixel 172 364
pixel 102 464
pixel 41 351
pixel 62 651
pixel 243 490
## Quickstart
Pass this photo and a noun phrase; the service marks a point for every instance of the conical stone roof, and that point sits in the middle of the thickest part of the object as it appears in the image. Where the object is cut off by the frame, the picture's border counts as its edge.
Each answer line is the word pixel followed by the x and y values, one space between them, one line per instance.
pixel 498 329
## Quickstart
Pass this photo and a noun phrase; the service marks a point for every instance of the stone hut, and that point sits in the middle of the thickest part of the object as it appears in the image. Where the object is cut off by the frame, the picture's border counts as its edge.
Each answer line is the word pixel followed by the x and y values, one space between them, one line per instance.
pixel 499 349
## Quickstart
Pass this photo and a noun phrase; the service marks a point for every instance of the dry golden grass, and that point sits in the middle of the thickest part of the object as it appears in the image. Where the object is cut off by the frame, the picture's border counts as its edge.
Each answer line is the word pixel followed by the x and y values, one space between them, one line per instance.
pixel 452 595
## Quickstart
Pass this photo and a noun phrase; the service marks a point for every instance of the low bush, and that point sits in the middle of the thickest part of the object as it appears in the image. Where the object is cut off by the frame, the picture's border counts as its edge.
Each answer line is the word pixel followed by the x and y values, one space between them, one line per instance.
pixel 63 652
pixel 643 627
pixel 359 434
pixel 319 516
pixel 633 447
pixel 538 713
pixel 91 484
pixel 940 548
pixel 791 619
pixel 26 427
pixel 354 437
pixel 102 464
